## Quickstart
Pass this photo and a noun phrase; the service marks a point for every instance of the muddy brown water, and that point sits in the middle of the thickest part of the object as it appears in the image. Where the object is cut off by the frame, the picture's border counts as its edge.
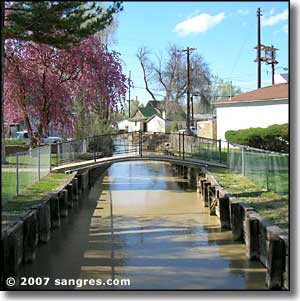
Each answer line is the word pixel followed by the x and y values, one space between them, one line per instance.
pixel 142 223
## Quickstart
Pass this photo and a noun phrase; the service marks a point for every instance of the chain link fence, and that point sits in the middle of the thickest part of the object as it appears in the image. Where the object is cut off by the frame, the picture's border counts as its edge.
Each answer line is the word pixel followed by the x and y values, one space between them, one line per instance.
pixel 22 169
pixel 269 170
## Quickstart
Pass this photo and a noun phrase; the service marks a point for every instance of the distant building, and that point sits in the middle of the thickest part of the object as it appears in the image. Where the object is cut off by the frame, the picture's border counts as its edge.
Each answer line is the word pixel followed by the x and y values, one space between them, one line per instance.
pixel 281 78
pixel 152 118
pixel 258 108
pixel 124 125
pixel 206 126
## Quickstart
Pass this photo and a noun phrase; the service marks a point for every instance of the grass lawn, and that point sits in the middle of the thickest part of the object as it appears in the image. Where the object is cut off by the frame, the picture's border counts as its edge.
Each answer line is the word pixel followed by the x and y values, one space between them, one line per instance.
pixel 15 142
pixel 31 195
pixel 269 205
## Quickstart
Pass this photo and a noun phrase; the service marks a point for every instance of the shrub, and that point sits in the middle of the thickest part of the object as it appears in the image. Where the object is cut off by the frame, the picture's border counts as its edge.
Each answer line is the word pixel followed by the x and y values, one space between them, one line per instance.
pixel 275 137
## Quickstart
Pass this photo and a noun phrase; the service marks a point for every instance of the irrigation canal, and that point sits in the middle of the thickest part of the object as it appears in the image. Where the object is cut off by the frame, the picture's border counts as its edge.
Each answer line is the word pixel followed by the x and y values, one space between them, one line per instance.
pixel 140 222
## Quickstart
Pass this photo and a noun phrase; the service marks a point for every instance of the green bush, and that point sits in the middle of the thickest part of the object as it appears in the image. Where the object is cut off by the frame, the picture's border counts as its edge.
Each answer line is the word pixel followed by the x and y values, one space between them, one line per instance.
pixel 275 137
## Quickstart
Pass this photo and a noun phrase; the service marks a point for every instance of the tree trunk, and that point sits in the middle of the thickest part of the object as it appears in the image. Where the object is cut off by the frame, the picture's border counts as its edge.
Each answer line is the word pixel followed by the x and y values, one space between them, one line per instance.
pixel 3 160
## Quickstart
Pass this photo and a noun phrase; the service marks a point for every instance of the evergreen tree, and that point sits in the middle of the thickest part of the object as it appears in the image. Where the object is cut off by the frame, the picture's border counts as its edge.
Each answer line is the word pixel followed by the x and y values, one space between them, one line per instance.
pixel 57 23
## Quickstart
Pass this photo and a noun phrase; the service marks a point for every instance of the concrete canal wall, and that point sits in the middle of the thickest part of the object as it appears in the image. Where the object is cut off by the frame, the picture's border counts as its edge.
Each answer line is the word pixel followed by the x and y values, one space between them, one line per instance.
pixel 264 241
pixel 20 239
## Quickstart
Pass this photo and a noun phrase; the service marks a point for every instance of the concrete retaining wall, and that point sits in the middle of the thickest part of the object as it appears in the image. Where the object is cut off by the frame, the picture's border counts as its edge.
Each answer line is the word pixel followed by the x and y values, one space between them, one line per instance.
pixel 20 240
pixel 264 241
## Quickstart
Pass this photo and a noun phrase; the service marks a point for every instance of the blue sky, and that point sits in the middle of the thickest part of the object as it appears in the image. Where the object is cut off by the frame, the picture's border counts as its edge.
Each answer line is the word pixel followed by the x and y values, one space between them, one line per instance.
pixel 224 33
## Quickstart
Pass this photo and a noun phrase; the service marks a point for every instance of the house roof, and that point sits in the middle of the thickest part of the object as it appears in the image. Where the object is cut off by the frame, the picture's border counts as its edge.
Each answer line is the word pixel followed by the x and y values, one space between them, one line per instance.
pixel 156 108
pixel 278 91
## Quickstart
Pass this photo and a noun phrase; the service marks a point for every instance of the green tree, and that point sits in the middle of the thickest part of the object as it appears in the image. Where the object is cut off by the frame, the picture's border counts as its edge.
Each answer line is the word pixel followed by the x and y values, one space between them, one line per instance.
pixel 60 24
pixel 224 89
pixel 219 89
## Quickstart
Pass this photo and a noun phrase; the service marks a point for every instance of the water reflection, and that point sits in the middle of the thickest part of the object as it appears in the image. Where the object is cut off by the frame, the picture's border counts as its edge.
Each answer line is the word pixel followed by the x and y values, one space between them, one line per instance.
pixel 142 223
pixel 162 236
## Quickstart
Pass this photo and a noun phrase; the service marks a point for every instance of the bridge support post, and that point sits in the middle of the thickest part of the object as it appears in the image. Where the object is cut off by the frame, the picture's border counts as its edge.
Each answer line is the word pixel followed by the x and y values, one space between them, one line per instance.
pixel 206 193
pixel 212 200
pixel 140 143
pixel 192 177
pixel 183 146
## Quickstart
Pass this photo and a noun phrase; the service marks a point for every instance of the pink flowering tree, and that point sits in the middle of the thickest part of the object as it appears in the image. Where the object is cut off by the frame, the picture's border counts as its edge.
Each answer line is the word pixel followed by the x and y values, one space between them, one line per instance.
pixel 42 81
pixel 102 85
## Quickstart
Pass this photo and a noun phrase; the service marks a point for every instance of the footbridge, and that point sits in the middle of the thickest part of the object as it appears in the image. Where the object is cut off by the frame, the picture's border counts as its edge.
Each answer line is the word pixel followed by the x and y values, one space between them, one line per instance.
pixel 176 148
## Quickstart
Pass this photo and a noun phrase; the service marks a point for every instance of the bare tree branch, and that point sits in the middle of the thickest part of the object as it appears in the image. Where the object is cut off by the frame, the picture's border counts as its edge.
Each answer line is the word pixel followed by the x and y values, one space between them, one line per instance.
pixel 142 56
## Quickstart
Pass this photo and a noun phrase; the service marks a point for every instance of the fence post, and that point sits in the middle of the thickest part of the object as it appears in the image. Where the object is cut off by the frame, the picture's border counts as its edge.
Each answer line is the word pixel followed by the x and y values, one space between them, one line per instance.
pixel 243 161
pixel 70 153
pixel 267 170
pixel 179 145
pixel 17 174
pixel 220 151
pixel 183 145
pixel 228 154
pixel 50 148
pixel 94 148
pixel 141 143
pixel 39 163
pixel 57 153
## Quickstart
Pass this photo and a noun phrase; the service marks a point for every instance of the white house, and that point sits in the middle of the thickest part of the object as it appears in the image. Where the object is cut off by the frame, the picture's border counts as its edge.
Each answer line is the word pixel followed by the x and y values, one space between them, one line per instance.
pixel 258 108
pixel 152 118
pixel 124 125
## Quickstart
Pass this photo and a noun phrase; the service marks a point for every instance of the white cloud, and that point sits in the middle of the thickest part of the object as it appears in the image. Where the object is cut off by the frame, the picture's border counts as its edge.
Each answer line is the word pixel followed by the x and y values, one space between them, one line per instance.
pixel 242 12
pixel 200 23
pixel 284 29
pixel 244 24
pixel 271 12
pixel 272 20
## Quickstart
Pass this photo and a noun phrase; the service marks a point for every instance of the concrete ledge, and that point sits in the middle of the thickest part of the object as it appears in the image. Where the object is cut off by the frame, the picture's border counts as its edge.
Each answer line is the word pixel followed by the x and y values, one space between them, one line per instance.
pixel 264 241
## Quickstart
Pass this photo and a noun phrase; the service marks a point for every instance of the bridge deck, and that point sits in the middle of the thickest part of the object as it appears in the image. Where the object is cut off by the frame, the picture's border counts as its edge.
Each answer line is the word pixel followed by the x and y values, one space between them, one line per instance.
pixel 75 166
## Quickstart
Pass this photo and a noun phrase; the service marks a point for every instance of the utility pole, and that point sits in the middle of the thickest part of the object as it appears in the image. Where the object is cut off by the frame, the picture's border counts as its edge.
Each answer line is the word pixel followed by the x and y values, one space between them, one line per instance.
pixel 192 104
pixel 188 50
pixel 129 84
pixel 273 63
pixel 273 67
pixel 258 58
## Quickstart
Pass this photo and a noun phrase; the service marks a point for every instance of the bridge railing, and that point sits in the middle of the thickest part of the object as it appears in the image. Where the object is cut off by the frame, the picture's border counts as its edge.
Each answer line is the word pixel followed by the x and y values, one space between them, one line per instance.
pixel 269 170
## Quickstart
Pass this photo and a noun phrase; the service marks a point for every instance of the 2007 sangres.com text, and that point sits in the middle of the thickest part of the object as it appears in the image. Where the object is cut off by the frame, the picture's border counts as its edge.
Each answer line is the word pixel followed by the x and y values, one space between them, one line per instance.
pixel 44 281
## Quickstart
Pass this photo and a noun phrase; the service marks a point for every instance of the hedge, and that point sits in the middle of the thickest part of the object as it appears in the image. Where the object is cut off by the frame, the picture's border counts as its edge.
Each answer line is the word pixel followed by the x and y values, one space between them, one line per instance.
pixel 274 138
